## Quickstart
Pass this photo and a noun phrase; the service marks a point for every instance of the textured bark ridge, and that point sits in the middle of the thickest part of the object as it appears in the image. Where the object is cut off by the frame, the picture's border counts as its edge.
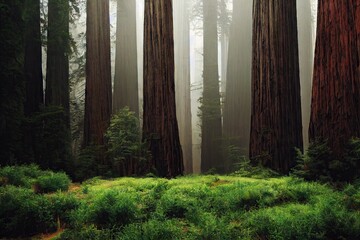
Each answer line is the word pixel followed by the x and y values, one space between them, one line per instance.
pixel 98 72
pixel 276 109
pixel 126 75
pixel 335 110
pixel 160 126
pixel 211 132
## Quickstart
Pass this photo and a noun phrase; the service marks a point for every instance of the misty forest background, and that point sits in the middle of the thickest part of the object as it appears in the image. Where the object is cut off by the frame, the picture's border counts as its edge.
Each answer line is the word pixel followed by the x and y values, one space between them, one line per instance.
pixel 239 91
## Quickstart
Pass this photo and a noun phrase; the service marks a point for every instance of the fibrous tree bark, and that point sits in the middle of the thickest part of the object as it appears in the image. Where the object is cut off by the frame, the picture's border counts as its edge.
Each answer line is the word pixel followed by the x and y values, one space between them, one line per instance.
pixel 182 79
pixel 276 108
pixel 211 132
pixel 126 72
pixel 160 128
pixel 98 72
pixel 306 58
pixel 335 112
pixel 237 106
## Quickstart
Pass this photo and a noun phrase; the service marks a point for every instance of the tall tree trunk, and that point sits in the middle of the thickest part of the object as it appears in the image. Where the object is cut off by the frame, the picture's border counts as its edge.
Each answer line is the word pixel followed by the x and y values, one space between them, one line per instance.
pixel 57 68
pixel 32 62
pixel 182 79
pixel 126 72
pixel 211 157
pixel 306 58
pixel 335 112
pixel 276 108
pixel 12 80
pixel 237 107
pixel 98 72
pixel 160 128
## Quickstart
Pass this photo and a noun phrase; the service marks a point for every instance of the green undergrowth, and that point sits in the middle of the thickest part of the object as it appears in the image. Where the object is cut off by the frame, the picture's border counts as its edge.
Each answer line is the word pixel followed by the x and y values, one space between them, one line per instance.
pixel 190 207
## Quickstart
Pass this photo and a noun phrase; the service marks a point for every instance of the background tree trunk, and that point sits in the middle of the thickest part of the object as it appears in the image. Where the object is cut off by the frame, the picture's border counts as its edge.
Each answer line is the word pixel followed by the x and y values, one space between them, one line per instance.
pixel 276 108
pixel 182 79
pixel 160 126
pixel 237 106
pixel 211 151
pixel 98 72
pixel 126 72
pixel 335 112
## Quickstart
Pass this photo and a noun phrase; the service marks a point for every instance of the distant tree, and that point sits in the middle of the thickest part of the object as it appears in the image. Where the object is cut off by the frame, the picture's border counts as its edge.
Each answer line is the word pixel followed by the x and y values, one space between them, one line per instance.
pixel 335 111
pixel 211 133
pixel 98 72
pixel 182 79
pixel 12 80
pixel 160 128
pixel 126 75
pixel 237 105
pixel 276 108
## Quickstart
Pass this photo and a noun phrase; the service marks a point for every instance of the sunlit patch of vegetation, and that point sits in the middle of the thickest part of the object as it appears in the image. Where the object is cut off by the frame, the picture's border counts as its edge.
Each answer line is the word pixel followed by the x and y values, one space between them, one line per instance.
pixel 188 207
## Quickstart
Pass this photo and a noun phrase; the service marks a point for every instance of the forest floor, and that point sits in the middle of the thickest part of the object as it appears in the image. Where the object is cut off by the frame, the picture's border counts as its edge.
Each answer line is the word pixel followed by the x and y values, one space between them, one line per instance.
pixel 201 207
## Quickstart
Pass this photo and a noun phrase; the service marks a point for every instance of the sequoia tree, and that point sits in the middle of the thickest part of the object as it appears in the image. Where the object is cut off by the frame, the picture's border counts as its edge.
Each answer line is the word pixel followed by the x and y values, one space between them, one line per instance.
pixel 276 109
pixel 126 75
pixel 98 72
pixel 237 106
pixel 335 111
pixel 182 79
pixel 211 132
pixel 160 128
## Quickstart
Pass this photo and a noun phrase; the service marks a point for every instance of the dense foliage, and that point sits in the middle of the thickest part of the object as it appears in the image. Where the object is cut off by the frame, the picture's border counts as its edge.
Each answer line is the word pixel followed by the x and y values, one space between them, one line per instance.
pixel 194 207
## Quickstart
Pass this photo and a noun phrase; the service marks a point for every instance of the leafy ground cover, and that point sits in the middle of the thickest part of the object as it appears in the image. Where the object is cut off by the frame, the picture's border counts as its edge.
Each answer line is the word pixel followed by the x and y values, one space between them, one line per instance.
pixel 189 207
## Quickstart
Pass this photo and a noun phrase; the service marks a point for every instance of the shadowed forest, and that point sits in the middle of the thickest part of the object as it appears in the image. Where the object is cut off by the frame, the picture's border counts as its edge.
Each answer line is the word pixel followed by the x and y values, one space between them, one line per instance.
pixel 180 119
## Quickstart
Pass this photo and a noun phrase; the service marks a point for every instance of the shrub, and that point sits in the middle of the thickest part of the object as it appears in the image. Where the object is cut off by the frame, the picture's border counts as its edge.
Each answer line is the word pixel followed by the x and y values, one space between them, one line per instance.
pixel 128 153
pixel 88 233
pixel 63 206
pixel 21 176
pixel 320 163
pixel 112 208
pixel 23 213
pixel 52 183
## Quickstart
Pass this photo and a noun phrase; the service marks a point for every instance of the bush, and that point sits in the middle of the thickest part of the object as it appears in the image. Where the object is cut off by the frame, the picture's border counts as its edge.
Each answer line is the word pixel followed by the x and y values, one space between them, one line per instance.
pixel 52 183
pixel 320 163
pixel 128 153
pixel 23 213
pixel 112 208
pixel 21 176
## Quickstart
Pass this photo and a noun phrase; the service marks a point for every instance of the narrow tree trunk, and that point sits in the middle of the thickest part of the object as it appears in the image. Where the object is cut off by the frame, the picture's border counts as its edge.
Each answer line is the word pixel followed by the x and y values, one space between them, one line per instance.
pixel 160 126
pixel 276 108
pixel 126 72
pixel 182 79
pixel 211 157
pixel 335 111
pixel 237 107
pixel 98 72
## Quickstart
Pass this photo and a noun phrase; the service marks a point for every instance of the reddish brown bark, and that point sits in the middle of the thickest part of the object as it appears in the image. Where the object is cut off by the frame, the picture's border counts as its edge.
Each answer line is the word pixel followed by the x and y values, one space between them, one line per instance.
pixel 160 126
pixel 335 111
pixel 276 109
pixel 98 72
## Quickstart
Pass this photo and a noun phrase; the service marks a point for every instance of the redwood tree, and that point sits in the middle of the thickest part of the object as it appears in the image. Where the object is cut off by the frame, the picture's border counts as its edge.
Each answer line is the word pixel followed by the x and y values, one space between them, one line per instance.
pixel 160 128
pixel 98 72
pixel 335 111
pixel 211 157
pixel 276 109
pixel 126 75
